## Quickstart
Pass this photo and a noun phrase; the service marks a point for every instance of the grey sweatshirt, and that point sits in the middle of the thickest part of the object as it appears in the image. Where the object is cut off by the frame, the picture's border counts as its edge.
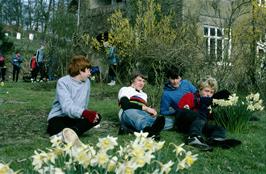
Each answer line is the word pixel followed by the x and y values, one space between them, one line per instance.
pixel 72 98
pixel 40 55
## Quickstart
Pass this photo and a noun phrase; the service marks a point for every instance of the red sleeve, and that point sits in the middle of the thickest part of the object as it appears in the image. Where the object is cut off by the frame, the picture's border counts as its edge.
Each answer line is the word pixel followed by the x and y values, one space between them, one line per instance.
pixel 187 99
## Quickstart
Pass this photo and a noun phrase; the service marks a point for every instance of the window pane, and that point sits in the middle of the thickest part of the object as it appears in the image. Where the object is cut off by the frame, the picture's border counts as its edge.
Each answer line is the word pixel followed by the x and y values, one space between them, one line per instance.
pixel 219 49
pixel 212 48
pixel 205 31
pixel 206 45
pixel 212 31
pixel 219 32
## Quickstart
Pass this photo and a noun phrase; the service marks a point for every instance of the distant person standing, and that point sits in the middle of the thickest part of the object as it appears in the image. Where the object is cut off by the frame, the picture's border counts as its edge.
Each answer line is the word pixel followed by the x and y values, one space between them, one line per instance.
pixel 16 62
pixel 113 63
pixel 2 67
pixel 33 68
pixel 40 56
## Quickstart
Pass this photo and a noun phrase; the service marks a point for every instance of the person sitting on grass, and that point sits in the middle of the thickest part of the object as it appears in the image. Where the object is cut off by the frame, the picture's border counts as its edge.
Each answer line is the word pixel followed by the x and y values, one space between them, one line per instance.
pixel 201 102
pixel 176 100
pixel 69 109
pixel 135 115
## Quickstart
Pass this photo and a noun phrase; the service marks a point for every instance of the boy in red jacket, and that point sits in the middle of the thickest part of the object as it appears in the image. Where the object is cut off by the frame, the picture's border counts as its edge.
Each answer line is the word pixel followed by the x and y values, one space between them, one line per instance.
pixel 200 103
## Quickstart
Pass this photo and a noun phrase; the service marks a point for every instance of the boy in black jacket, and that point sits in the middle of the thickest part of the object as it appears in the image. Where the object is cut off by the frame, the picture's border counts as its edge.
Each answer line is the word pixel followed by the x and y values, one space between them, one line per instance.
pixel 199 104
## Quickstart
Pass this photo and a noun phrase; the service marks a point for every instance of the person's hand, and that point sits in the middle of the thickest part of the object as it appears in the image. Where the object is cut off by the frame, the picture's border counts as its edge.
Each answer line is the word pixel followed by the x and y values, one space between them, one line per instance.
pixel 150 110
pixel 91 116
pixel 206 101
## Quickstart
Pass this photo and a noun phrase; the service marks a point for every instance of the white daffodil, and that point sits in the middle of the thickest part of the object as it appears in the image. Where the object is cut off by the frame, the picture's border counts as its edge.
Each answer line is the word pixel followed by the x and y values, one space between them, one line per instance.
pixel 56 140
pixel 102 158
pixel 107 143
pixel 159 145
pixel 140 161
pixel 51 156
pixel 190 159
pixel 5 169
pixel 181 165
pixel 111 166
pixel 179 150
pixel 232 100
pixel 141 134
pixel 137 151
pixel 254 102
pixel 250 108
pixel 149 144
pixel 82 157
pixel 127 167
pixel 39 159
pixel 58 151
pixel 256 97
pixel 51 169
pixel 166 168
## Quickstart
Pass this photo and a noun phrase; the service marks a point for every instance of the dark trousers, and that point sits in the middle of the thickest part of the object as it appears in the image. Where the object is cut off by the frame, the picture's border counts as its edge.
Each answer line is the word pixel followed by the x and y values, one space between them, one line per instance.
pixel 57 124
pixel 16 70
pixel 34 73
pixel 112 72
pixel 41 69
pixel 195 124
pixel 3 73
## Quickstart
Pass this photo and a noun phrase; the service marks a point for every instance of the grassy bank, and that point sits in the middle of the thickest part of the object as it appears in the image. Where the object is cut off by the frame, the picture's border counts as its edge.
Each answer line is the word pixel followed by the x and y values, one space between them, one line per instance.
pixel 24 110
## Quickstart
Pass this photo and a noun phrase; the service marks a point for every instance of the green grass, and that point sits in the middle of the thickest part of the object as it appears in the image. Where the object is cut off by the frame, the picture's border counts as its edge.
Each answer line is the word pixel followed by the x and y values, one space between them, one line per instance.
pixel 24 110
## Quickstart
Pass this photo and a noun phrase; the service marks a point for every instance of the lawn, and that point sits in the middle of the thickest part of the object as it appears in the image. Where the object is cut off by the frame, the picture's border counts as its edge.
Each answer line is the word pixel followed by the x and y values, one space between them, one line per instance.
pixel 24 110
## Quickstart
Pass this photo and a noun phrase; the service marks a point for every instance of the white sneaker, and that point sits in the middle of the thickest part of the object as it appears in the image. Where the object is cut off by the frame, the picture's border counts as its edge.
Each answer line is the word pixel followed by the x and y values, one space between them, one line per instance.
pixel 112 83
pixel 69 136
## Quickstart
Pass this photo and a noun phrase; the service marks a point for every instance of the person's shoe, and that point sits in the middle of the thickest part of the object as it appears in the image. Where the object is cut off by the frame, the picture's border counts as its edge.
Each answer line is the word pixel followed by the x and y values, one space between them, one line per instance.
pixel 121 131
pixel 223 143
pixel 155 135
pixel 198 142
pixel 156 128
pixel 112 83
pixel 158 124
pixel 126 130
pixel 70 137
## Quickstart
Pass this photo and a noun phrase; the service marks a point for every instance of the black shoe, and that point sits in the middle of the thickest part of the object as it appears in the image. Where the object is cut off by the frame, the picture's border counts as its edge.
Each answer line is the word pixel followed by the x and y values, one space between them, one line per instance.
pixel 223 143
pixel 198 142
pixel 121 131
pixel 124 130
pixel 156 128
pixel 158 124
pixel 154 135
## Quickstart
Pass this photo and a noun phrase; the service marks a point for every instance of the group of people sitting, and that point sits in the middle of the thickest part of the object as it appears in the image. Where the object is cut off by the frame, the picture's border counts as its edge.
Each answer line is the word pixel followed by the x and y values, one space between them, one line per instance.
pixel 183 108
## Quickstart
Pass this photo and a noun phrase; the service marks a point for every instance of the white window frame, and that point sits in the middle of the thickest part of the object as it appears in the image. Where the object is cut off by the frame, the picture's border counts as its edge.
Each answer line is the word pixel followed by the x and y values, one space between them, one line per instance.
pixel 216 38
pixel 261 45
pixel 261 3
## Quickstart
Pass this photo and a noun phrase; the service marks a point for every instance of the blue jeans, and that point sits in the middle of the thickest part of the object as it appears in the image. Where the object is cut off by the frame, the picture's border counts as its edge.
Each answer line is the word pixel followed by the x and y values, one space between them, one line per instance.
pixel 136 119
pixel 169 122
